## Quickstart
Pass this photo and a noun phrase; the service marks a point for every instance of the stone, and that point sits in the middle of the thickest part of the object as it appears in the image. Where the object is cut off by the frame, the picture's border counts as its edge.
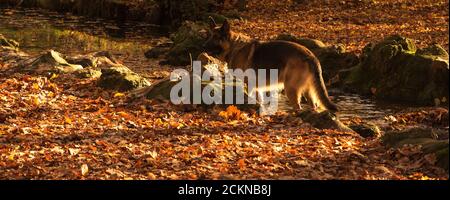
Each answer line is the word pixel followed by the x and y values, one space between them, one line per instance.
pixel 187 43
pixel 50 62
pixel 323 120
pixel 89 73
pixel 397 71
pixel 366 130
pixel 161 89
pixel 121 78
pixel 332 58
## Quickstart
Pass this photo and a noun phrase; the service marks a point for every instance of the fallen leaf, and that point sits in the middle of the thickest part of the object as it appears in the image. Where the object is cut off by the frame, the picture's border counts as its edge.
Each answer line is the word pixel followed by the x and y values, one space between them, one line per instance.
pixel 84 170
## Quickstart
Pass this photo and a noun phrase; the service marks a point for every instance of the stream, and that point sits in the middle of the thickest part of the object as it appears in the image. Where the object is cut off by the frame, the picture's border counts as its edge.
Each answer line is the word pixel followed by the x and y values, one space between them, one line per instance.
pixel 37 30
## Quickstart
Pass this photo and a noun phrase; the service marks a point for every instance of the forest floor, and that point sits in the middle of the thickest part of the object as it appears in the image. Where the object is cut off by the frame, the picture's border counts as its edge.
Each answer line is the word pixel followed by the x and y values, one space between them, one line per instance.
pixel 354 23
pixel 66 128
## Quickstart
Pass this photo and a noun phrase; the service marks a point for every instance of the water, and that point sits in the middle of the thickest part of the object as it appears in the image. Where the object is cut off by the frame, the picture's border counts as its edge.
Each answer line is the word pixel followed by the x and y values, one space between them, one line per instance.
pixel 37 30
pixel 353 106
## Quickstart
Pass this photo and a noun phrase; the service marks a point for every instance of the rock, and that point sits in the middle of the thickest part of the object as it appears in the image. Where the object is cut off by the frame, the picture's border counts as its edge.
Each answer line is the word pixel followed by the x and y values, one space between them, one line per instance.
pixel 50 62
pixel 8 43
pixel 89 73
pixel 398 138
pixel 97 59
pixel 209 62
pixel 427 138
pixel 83 60
pixel 394 69
pixel 187 43
pixel 121 78
pixel 156 52
pixel 332 58
pixel 161 90
pixel 323 120
pixel 434 50
pixel 366 130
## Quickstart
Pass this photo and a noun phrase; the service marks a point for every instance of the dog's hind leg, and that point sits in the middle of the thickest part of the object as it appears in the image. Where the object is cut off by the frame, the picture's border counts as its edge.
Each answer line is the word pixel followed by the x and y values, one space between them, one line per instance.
pixel 294 96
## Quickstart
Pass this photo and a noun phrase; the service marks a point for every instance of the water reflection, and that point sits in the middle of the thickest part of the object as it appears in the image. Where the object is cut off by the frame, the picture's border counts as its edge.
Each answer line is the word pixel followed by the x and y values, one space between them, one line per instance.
pixel 36 30
pixel 352 105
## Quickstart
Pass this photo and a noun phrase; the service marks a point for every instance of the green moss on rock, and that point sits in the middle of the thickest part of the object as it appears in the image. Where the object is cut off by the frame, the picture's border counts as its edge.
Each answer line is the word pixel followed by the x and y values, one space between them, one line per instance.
pixel 121 78
pixel 394 69
pixel 434 50
pixel 187 43
pixel 366 130
pixel 89 73
pixel 323 120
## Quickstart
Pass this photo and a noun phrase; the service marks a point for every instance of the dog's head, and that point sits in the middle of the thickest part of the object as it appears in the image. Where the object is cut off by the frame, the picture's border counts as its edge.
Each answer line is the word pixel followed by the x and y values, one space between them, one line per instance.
pixel 219 38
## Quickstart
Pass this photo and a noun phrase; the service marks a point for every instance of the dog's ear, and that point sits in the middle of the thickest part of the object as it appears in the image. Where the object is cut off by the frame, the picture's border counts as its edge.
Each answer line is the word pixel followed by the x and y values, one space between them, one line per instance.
pixel 226 29
pixel 212 23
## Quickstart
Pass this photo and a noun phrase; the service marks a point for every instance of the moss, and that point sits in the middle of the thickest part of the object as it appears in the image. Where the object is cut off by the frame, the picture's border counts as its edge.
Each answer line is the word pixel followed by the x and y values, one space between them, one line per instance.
pixel 121 78
pixel 323 120
pixel 366 130
pixel 187 43
pixel 359 80
pixel 398 73
pixel 161 91
pixel 89 73
pixel 404 43
pixel 435 50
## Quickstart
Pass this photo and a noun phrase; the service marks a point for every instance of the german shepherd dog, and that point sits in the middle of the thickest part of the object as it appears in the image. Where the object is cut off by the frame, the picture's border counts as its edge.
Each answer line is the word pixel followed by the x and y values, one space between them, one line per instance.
pixel 300 73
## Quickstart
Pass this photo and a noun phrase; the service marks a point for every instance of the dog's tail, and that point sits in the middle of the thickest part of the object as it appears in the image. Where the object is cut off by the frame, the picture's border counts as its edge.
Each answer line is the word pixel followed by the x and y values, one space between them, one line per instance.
pixel 319 88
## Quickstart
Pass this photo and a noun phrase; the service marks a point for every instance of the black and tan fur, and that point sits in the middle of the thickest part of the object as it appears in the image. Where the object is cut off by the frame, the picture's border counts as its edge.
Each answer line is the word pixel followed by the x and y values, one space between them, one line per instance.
pixel 300 73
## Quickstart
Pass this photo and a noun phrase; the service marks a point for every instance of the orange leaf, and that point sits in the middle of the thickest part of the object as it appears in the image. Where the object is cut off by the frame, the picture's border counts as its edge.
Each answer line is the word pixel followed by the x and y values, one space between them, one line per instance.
pixel 241 163
pixel 67 120
pixel 124 115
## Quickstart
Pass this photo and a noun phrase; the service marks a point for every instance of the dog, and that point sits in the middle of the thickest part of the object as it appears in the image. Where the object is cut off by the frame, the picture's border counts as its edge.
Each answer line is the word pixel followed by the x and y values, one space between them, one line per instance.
pixel 299 70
